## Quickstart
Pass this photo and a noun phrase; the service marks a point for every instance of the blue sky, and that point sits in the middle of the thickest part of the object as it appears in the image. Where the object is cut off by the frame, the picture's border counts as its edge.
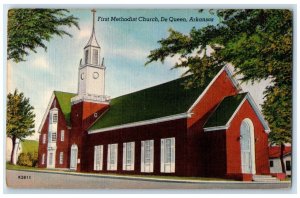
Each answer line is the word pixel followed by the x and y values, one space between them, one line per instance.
pixel 124 45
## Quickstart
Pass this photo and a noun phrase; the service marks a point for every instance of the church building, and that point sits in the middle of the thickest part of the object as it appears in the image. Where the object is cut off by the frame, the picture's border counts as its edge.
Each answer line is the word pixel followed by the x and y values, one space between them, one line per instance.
pixel 215 130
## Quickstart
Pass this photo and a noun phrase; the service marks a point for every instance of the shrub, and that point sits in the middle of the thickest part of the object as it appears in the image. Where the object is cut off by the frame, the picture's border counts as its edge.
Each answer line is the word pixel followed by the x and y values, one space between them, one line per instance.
pixel 24 159
pixel 35 159
pixel 28 159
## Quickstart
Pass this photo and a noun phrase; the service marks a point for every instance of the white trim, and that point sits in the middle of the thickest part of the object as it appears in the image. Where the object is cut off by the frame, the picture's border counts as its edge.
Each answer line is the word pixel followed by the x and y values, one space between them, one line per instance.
pixel 258 113
pixel 233 80
pixel 229 74
pixel 256 110
pixel 46 113
pixel 141 123
pixel 217 128
pixel 236 111
pixel 88 100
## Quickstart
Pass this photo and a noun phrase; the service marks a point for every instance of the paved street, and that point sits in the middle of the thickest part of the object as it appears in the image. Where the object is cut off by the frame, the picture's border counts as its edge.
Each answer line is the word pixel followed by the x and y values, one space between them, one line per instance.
pixel 28 179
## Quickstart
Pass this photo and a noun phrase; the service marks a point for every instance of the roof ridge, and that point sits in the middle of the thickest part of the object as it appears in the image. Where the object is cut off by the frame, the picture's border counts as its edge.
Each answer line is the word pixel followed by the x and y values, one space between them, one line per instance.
pixel 180 78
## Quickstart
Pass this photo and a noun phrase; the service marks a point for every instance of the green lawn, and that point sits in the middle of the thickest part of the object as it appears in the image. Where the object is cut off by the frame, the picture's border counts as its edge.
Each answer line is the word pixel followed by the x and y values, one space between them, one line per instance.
pixel 29 146
pixel 10 166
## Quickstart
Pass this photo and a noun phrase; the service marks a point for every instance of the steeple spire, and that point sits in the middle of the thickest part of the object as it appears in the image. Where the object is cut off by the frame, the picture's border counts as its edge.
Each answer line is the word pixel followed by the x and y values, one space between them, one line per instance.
pixel 93 41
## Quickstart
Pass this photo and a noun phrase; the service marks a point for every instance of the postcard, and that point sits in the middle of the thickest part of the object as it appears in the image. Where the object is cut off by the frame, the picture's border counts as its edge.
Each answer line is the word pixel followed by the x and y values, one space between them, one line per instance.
pixel 149 98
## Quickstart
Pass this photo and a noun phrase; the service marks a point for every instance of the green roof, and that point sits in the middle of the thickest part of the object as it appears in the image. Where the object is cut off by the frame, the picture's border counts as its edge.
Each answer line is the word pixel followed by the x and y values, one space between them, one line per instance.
pixel 155 102
pixel 64 100
pixel 224 111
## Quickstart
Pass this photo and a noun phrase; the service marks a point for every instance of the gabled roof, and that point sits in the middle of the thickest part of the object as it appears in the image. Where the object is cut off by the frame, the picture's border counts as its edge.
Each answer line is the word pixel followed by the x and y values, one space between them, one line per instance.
pixel 224 111
pixel 274 151
pixel 64 100
pixel 163 100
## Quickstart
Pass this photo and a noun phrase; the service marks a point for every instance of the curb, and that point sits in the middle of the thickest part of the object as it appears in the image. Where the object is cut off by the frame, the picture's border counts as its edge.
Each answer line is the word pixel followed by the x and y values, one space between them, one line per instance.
pixel 145 178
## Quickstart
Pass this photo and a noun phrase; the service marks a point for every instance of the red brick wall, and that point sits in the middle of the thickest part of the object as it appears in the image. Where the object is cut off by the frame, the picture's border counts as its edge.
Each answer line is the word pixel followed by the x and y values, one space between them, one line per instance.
pixel 202 146
pixel 82 116
pixel 233 142
pixel 214 157
pixel 176 128
pixel 221 88
pixel 60 146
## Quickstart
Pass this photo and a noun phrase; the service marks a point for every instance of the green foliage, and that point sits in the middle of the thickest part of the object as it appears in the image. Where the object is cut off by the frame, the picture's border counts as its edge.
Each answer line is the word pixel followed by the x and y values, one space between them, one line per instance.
pixel 20 116
pixel 30 28
pixel 28 159
pixel 258 43
pixel 24 159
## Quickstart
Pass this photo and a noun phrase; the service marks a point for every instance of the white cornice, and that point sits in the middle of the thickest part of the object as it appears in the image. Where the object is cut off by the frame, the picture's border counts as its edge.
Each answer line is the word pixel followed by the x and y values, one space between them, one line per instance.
pixel 232 78
pixel 46 113
pixel 140 123
pixel 217 128
pixel 258 113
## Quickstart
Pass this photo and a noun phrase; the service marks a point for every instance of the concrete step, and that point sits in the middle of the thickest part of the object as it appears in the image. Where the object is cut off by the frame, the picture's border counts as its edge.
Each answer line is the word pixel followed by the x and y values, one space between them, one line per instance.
pixel 265 178
pixel 262 176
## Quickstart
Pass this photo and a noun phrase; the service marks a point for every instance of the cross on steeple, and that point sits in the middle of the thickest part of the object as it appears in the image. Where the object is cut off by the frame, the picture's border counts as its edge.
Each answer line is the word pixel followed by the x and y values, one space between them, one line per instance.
pixel 93 41
pixel 93 11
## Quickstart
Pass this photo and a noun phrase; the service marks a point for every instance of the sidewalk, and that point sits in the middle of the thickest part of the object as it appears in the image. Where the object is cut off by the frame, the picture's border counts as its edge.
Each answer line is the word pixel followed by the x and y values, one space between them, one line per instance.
pixel 143 177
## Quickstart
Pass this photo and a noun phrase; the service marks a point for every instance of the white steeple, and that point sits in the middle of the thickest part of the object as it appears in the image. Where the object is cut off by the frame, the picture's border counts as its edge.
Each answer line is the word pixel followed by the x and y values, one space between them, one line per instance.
pixel 92 48
pixel 93 41
pixel 91 74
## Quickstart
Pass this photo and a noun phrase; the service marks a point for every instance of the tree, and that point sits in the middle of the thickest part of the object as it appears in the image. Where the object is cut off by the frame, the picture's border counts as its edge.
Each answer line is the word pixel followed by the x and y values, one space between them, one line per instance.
pixel 20 118
pixel 258 43
pixel 30 28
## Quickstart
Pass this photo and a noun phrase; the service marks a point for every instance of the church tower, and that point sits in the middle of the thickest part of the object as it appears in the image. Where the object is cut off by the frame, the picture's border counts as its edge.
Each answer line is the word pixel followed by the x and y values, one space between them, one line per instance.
pixel 90 101
pixel 91 72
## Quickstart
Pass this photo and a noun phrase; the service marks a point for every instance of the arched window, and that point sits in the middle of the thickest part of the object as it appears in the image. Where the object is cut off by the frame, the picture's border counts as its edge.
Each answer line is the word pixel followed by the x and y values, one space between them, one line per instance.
pixel 247 146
